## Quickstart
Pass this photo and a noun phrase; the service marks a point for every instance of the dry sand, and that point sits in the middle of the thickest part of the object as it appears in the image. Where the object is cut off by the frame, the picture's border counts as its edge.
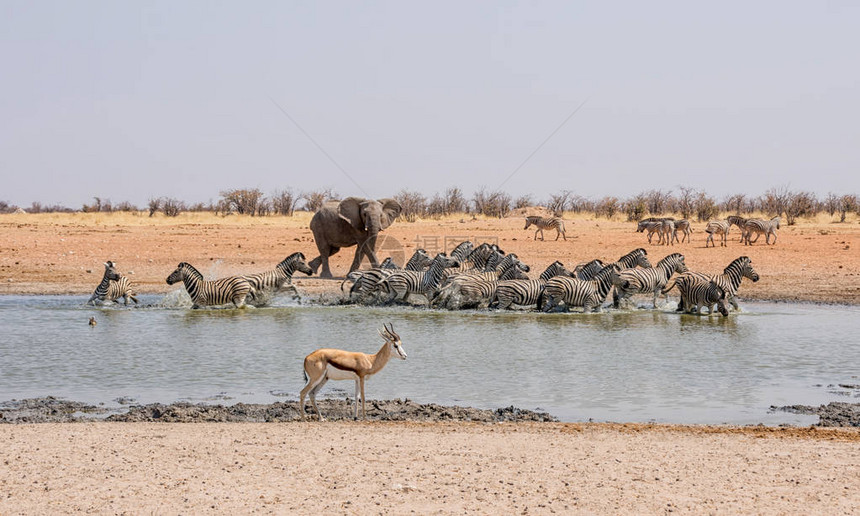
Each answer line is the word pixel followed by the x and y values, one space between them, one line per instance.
pixel 361 468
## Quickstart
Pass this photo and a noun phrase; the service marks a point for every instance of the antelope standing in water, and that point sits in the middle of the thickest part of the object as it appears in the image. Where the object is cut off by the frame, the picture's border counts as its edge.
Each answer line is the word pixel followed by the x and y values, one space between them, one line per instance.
pixel 335 364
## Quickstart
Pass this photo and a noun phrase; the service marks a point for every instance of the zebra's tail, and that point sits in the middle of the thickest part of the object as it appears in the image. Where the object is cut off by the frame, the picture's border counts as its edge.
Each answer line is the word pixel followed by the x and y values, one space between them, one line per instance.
pixel 669 286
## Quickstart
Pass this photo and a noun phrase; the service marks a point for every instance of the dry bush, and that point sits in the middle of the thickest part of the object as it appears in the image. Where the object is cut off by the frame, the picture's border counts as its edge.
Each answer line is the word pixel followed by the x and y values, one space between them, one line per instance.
pixel 706 207
pixel 154 205
pixel 607 207
pixel 171 207
pixel 492 204
pixel 685 202
pixel 413 205
pixel 243 201
pixel 635 207
pixel 523 201
pixel 315 199
pixel 284 202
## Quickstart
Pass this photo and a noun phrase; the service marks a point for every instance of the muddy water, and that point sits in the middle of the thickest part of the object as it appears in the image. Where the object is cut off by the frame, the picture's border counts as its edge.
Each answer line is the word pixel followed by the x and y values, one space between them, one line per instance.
pixel 638 365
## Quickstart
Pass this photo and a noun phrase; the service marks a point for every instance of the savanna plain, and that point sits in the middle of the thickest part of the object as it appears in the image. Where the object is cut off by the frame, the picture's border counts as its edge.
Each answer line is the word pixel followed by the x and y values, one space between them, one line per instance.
pixel 402 467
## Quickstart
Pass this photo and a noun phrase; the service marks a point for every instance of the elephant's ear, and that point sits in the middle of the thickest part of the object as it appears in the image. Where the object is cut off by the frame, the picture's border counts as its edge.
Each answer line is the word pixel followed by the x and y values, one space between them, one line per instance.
pixel 350 210
pixel 391 210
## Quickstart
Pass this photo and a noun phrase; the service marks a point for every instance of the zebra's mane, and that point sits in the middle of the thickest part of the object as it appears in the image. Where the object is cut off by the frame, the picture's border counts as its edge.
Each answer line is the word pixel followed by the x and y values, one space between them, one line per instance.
pixel 672 257
pixel 190 270
pixel 290 259
pixel 737 264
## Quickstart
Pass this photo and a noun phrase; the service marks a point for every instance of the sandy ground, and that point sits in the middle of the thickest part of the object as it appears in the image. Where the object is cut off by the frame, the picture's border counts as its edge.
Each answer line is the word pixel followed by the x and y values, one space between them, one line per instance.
pixel 371 468
pixel 383 467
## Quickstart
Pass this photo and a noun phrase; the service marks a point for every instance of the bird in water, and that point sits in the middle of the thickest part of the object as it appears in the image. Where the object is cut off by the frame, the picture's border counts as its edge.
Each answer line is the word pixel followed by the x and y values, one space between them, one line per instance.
pixel 93 321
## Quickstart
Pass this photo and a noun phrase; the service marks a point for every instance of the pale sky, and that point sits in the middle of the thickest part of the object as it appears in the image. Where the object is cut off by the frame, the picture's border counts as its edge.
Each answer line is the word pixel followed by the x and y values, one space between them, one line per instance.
pixel 133 100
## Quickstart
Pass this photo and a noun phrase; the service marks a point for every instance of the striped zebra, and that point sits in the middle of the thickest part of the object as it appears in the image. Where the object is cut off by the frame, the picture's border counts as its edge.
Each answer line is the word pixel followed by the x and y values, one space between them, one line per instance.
pixel 730 280
pixel 234 289
pixel 635 258
pixel 740 222
pixel 526 292
pixel 484 258
pixel 587 270
pixel 477 288
pixel 573 292
pixel 651 226
pixel 686 228
pixel 265 285
pixel 698 293
pixel 542 223
pixel 400 285
pixel 366 281
pixel 648 280
pixel 667 232
pixel 760 227
pixel 717 227
pixel 462 251
pixel 112 287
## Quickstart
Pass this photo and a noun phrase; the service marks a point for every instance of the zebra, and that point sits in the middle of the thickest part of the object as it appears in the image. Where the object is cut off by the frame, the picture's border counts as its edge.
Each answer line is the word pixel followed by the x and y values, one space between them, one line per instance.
pixel 635 258
pixel 717 227
pixel 112 287
pixel 484 258
pixel 471 288
pixel 266 284
pixel 684 226
pixel 667 232
pixel 366 281
pixel 740 222
pixel 233 289
pixel 700 292
pixel 542 223
pixel 652 279
pixel 401 284
pixel 462 251
pixel 760 227
pixel 730 280
pixel 525 292
pixel 652 226
pixel 572 292
pixel 587 270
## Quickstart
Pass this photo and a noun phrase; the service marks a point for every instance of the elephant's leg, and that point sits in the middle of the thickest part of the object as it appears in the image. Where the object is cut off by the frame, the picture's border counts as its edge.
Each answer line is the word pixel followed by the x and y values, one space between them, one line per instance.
pixel 324 255
pixel 356 261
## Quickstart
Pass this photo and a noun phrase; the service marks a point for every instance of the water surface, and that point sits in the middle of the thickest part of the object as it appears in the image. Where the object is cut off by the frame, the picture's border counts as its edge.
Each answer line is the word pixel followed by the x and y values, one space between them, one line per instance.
pixel 639 365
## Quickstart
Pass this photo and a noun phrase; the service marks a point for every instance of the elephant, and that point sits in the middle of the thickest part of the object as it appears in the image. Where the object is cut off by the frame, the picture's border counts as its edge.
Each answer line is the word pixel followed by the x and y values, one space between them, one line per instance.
pixel 352 221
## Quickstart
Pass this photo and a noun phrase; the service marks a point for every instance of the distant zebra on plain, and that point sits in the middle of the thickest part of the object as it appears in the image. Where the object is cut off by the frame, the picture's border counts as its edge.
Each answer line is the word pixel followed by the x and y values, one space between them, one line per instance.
pixel 234 289
pixel 264 285
pixel 648 280
pixel 717 227
pixel 698 293
pixel 740 222
pixel 760 227
pixel 573 292
pixel 652 226
pixel 112 287
pixel 526 292
pixel 686 228
pixel 542 223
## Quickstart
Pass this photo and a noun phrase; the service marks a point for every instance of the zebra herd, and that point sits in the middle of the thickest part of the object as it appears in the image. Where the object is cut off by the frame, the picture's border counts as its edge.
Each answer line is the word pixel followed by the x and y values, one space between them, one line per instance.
pixel 251 289
pixel 668 228
pixel 485 277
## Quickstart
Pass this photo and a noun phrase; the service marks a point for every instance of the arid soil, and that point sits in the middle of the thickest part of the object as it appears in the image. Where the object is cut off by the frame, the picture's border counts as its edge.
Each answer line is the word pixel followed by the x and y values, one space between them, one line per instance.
pixel 814 261
pixel 451 464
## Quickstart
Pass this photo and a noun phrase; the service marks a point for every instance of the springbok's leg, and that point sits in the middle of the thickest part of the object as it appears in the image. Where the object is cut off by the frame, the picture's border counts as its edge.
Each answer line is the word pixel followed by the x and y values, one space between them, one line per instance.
pixel 363 406
pixel 355 413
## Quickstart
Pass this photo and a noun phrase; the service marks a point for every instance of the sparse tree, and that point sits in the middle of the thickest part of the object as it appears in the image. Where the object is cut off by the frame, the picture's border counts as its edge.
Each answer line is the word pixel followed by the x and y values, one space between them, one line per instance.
pixel 455 202
pixel 558 202
pixel 775 200
pixel 607 207
pixel 315 199
pixel 523 201
pixel 847 203
pixel 154 206
pixel 657 201
pixel 706 207
pixel 413 204
pixel 685 203
pixel 244 201
pixel 799 204
pixel 172 207
pixel 284 202
pixel 635 207
pixel 735 203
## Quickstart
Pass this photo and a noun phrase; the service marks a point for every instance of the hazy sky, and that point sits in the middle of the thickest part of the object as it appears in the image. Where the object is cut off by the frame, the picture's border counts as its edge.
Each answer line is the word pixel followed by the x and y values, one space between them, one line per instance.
pixel 133 100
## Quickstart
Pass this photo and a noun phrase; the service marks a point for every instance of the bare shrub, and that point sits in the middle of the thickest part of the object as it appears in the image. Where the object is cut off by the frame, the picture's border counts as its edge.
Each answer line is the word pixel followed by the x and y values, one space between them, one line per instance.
pixel 126 207
pixel 735 203
pixel 523 201
pixel 775 200
pixel 657 201
pixel 635 207
pixel 455 202
pixel 5 207
pixel 284 202
pixel 315 199
pixel 97 206
pixel 154 205
pixel 685 202
pixel 848 203
pixel 413 205
pixel 558 202
pixel 171 207
pixel 799 204
pixel 607 207
pixel 706 207
pixel 492 204
pixel 243 201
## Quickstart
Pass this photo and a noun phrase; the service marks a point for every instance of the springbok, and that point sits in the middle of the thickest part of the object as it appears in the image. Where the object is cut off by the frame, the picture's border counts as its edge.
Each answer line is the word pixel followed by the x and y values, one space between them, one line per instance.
pixel 335 364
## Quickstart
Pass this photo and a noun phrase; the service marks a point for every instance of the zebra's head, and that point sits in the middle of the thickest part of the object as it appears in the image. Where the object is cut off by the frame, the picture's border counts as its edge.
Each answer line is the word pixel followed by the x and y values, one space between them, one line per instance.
pixel 183 270
pixel 530 221
pixel 721 302
pixel 445 262
pixel 747 270
pixel 297 260
pixel 110 271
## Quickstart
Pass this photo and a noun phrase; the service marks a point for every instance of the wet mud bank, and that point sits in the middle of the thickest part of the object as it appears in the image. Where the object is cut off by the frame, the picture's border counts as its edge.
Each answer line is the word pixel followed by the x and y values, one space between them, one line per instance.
pixel 54 410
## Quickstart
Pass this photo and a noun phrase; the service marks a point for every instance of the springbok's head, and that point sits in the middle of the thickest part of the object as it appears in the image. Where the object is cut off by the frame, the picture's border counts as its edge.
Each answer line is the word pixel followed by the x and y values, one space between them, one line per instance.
pixel 393 338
